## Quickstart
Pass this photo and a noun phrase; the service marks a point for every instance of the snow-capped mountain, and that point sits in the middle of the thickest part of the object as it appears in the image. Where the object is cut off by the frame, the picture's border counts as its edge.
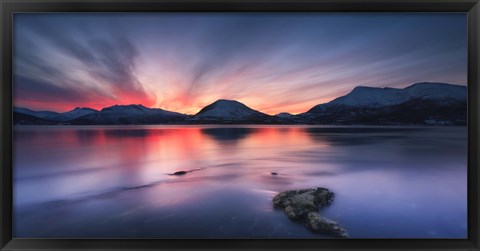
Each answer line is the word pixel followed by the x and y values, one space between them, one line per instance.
pixel 363 96
pixel 114 115
pixel 226 111
pixel 39 114
pixel 132 109
pixel 284 115
pixel 76 113
pixel 129 114
pixel 55 116
pixel 420 103
pixel 26 119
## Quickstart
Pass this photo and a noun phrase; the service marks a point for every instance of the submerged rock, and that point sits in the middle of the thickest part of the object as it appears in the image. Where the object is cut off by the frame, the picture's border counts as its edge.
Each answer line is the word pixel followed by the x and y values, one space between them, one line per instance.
pixel 302 205
pixel 179 173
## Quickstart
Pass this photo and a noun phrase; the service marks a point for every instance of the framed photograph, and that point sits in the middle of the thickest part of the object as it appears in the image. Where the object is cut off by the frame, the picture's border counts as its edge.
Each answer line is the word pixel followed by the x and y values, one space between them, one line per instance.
pixel 246 125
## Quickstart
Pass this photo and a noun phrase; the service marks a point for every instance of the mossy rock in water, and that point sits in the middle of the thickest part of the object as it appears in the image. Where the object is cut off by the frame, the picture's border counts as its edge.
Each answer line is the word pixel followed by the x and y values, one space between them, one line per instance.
pixel 303 205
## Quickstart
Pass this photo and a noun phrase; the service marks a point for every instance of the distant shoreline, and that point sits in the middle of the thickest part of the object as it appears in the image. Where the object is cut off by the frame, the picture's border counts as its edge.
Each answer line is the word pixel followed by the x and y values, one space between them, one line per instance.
pixel 435 104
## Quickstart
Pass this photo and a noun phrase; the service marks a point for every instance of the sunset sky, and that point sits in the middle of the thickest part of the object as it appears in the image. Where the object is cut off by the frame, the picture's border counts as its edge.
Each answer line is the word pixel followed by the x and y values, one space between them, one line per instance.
pixel 271 62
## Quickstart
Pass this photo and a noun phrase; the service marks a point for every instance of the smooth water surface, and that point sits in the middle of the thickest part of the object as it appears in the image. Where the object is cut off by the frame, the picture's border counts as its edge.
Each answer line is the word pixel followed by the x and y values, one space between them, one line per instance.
pixel 113 181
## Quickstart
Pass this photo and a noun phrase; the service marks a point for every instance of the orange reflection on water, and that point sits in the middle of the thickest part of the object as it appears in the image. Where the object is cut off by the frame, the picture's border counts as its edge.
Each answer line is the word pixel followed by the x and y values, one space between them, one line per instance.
pixel 153 150
pixel 119 176
pixel 287 137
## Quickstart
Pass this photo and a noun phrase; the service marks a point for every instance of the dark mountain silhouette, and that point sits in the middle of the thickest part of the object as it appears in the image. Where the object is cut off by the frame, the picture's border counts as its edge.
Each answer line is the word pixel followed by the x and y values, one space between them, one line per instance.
pixel 229 112
pixel 419 104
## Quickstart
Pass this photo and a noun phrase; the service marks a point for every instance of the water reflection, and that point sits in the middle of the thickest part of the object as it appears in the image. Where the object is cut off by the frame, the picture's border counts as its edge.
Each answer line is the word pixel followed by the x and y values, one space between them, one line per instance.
pixel 228 134
pixel 114 181
pixel 348 136
pixel 137 133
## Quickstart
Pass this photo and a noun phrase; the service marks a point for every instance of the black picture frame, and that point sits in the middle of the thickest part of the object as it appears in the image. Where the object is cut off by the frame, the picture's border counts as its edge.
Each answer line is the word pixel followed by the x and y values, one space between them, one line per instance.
pixel 8 7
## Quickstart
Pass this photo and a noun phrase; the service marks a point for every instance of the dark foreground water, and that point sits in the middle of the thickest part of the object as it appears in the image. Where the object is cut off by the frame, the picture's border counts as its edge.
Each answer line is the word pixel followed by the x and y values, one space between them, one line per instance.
pixel 97 182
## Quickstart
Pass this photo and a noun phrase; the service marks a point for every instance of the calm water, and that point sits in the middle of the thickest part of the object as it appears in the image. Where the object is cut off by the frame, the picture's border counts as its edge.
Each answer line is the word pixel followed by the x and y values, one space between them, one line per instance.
pixel 97 182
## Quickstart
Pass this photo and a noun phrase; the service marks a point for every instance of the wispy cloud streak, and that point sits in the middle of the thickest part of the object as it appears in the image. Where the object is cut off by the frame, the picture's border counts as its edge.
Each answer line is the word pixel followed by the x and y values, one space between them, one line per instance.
pixel 275 62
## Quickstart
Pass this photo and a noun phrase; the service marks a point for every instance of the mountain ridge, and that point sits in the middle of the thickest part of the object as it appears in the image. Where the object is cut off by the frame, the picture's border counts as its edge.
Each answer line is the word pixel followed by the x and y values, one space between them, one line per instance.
pixel 421 103
pixel 378 96
pixel 229 111
pixel 428 103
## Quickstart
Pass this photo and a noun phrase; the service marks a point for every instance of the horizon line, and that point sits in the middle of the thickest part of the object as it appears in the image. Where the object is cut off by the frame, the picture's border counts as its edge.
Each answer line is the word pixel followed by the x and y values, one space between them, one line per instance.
pixel 364 86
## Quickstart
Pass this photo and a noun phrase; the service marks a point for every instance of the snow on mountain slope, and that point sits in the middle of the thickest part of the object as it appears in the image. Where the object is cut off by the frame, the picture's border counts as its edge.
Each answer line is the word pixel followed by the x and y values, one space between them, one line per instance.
pixel 39 114
pixel 420 103
pixel 227 109
pixel 136 110
pixel 129 114
pixel 362 96
pixel 76 113
pixel 56 116
pixel 284 115
pixel 126 109
pixel 118 114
